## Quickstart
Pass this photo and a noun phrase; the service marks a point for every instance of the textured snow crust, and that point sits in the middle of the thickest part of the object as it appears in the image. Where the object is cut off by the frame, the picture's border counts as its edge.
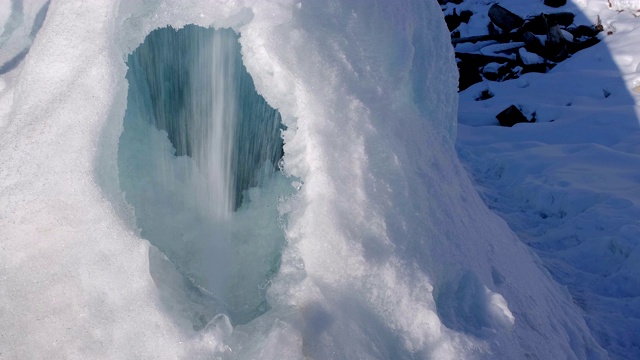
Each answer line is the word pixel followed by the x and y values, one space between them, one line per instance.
pixel 568 184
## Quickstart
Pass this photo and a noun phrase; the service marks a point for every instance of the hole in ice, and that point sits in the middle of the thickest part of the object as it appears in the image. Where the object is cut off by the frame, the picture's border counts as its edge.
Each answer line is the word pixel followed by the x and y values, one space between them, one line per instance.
pixel 198 162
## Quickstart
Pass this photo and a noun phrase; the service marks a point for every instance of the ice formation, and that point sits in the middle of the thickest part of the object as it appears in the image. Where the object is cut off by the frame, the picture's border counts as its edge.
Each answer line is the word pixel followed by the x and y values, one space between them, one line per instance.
pixel 371 242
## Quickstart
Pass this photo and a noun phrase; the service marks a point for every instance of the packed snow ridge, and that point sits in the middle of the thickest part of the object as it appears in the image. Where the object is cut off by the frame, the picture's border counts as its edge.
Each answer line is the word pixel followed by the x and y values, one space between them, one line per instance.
pixel 376 242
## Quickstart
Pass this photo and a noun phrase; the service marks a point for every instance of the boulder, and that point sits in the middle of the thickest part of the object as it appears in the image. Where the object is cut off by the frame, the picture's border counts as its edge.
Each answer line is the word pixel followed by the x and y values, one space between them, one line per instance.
pixel 453 20
pixel 491 28
pixel 481 60
pixel 583 31
pixel 511 116
pixel 561 18
pixel 540 23
pixel 465 16
pixel 469 75
pixel 504 19
pixel 537 68
pixel 535 25
pixel 532 43
pixel 555 46
pixel 575 46
pixel 503 38
pixel 555 3
pixel 536 44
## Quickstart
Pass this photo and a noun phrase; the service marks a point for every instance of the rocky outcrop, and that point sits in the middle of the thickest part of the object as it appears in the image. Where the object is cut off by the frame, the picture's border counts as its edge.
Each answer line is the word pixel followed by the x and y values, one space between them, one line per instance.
pixel 514 45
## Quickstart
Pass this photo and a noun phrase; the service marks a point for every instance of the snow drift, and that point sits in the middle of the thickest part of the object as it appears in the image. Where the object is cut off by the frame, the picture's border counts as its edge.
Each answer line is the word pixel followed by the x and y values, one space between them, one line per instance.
pixel 386 251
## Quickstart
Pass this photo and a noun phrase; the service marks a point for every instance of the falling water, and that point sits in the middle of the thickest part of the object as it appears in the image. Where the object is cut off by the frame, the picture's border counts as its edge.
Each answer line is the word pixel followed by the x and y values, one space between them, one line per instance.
pixel 197 137
pixel 203 97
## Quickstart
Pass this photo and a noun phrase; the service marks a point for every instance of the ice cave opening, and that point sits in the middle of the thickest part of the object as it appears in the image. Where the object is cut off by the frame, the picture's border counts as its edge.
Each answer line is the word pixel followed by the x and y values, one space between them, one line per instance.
pixel 198 162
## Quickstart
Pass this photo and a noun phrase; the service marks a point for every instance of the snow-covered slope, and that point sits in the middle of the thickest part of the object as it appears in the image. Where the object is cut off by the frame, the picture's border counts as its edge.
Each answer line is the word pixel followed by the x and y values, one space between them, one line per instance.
pixel 569 185
pixel 389 252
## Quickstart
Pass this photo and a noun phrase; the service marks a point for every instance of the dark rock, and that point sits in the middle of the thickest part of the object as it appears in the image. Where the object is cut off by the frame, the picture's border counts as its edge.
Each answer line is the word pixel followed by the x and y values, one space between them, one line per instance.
pixel 583 31
pixel 532 43
pixel 529 38
pixel 469 75
pixel 492 29
pixel 496 37
pixel 539 24
pixel 506 27
pixel 511 116
pixel 465 15
pixel 453 20
pixel 479 59
pixel 504 19
pixel 538 68
pixel 535 25
pixel 484 95
pixel 561 18
pixel 549 20
pixel 575 46
pixel 555 47
pixel 555 3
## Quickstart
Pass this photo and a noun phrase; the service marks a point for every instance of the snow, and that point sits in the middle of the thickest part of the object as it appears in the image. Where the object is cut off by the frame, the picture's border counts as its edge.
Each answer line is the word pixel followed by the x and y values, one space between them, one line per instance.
pixel 568 185
pixel 387 249
pixel 625 4
pixel 529 58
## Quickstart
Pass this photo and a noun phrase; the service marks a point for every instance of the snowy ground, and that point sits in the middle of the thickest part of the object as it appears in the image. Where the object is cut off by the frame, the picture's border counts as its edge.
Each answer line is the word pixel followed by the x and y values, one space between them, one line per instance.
pixel 569 185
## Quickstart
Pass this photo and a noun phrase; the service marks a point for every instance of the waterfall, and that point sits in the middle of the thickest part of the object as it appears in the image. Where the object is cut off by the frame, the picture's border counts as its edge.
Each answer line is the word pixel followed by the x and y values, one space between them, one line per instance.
pixel 197 137
pixel 202 96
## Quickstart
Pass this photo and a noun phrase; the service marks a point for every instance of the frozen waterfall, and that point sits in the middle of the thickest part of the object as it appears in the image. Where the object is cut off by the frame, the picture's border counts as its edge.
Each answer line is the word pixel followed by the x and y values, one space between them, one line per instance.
pixel 198 140
pixel 192 84
pixel 155 206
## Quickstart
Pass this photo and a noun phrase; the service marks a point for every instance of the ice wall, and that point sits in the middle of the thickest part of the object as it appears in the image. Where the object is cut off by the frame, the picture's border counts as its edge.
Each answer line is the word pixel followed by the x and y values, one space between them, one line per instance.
pixel 389 252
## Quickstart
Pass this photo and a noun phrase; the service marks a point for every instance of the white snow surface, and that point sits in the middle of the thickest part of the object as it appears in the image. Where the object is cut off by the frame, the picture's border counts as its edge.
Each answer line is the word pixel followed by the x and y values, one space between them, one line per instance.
pixel 390 252
pixel 569 184
pixel 632 5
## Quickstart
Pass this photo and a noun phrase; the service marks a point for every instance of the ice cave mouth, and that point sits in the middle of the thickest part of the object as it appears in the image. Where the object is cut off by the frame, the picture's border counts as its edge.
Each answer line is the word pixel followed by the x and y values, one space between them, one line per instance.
pixel 198 163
